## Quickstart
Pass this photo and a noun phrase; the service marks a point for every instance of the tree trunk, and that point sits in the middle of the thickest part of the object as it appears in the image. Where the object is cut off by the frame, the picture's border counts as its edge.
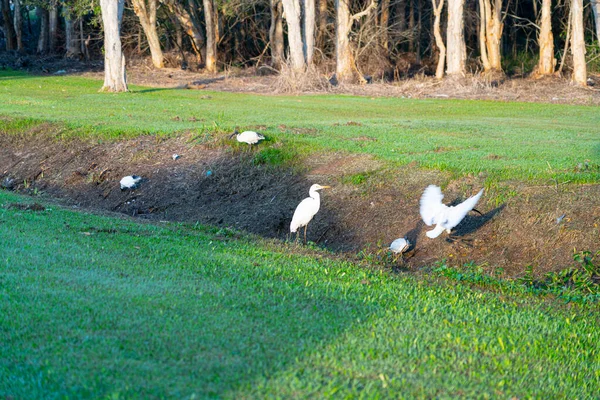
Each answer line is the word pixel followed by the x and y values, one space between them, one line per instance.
pixel 73 49
pixel 18 22
pixel 42 45
pixel 53 27
pixel 482 36
pixel 9 29
pixel 188 24
pixel 309 30
pixel 114 59
pixel 578 43
pixel 439 41
pixel 411 26
pixel 276 34
pixel 493 33
pixel 292 17
pixel 596 9
pixel 384 22
pixel 547 61
pixel 322 29
pixel 456 51
pixel 146 12
pixel 418 32
pixel 211 36
pixel 344 59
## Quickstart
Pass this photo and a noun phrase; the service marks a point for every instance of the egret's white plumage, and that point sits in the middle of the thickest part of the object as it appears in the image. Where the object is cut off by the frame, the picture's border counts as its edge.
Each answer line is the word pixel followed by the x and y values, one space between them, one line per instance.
pixel 307 209
pixel 399 245
pixel 130 182
pixel 434 212
pixel 249 137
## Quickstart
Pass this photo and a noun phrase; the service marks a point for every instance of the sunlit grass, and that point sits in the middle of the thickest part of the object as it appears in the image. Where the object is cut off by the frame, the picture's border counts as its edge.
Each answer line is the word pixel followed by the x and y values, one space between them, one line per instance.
pixel 101 307
pixel 503 141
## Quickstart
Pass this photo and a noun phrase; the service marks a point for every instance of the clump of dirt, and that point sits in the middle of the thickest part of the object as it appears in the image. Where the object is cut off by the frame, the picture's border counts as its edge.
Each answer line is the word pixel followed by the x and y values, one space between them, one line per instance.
pixel 370 203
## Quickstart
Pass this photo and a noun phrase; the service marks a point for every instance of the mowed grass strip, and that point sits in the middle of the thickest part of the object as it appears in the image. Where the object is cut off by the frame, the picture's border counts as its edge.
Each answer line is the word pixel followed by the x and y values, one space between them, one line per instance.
pixel 100 307
pixel 503 141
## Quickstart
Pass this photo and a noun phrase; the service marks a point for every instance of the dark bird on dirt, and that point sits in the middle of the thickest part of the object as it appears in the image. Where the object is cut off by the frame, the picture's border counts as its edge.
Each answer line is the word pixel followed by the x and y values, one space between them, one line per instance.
pixel 434 212
pixel 399 245
pixel 249 137
pixel 306 210
pixel 130 182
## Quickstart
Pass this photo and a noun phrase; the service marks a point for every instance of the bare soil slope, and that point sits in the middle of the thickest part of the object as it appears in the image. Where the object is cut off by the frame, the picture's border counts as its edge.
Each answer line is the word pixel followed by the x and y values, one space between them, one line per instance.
pixel 224 186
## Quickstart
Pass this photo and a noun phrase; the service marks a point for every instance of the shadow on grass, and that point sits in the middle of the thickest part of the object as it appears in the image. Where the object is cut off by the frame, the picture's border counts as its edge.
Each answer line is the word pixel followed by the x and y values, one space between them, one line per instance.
pixel 184 317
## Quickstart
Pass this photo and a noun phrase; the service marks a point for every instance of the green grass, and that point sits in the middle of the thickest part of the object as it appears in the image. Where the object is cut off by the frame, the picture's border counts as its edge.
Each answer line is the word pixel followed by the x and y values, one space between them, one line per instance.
pixel 504 141
pixel 100 307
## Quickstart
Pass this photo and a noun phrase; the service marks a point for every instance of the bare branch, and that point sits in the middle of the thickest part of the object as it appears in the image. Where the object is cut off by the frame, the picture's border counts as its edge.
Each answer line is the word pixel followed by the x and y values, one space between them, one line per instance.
pixel 364 12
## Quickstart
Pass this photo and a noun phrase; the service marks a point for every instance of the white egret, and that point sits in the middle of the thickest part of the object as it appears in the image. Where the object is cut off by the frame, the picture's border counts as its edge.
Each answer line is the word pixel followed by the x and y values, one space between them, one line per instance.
pixel 434 212
pixel 306 210
pixel 130 182
pixel 399 245
pixel 249 137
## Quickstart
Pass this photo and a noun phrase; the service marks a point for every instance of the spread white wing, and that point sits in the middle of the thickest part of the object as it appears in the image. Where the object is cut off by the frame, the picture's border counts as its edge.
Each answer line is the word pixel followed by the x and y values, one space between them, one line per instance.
pixel 457 213
pixel 431 204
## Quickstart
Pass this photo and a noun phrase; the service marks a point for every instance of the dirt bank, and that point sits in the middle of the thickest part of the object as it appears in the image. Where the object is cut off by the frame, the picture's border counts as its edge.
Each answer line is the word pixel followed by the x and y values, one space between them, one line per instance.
pixel 369 205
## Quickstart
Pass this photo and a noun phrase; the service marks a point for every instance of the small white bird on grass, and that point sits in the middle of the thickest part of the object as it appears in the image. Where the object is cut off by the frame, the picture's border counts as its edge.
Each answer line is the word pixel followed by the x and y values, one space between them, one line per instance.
pixel 306 210
pixel 399 245
pixel 434 212
pixel 249 137
pixel 130 182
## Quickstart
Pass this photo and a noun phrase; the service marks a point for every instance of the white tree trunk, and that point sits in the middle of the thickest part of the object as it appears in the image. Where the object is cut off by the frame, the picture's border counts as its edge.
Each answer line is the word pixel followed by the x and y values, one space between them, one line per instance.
pixel 547 61
pixel 147 16
pixel 53 27
pixel 292 16
pixel 73 48
pixel 18 22
pixel 493 33
pixel 455 38
pixel 309 30
pixel 211 36
pixel 344 59
pixel 276 34
pixel 578 43
pixel 596 9
pixel 439 41
pixel 114 59
pixel 485 61
pixel 42 45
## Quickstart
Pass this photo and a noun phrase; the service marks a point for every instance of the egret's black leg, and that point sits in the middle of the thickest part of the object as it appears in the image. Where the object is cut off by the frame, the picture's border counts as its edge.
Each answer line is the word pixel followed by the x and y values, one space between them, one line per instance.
pixel 305 226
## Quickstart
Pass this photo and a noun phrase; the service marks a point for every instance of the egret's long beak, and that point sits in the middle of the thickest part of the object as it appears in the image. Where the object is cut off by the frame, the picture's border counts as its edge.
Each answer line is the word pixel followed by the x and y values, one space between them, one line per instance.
pixel 325 187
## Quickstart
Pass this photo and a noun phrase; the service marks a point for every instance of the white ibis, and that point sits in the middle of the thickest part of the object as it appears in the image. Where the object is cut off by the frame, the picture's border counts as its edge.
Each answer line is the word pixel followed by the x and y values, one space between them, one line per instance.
pixel 130 182
pixel 249 137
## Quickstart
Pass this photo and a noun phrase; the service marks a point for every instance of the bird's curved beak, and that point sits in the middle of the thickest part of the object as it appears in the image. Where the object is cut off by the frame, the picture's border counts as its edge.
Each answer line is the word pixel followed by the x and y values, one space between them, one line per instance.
pixel 232 135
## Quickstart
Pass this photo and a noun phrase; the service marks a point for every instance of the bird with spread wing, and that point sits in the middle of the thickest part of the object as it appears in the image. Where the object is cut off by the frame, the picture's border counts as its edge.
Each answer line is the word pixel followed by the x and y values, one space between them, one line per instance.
pixel 434 212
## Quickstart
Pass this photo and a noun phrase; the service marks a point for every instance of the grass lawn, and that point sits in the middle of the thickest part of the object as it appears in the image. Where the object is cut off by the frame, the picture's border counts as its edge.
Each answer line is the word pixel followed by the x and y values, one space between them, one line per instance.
pixel 101 307
pixel 104 307
pixel 506 141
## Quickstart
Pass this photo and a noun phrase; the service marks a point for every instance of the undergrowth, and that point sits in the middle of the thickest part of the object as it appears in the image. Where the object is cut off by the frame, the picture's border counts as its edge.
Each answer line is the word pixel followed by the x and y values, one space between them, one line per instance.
pixel 578 283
